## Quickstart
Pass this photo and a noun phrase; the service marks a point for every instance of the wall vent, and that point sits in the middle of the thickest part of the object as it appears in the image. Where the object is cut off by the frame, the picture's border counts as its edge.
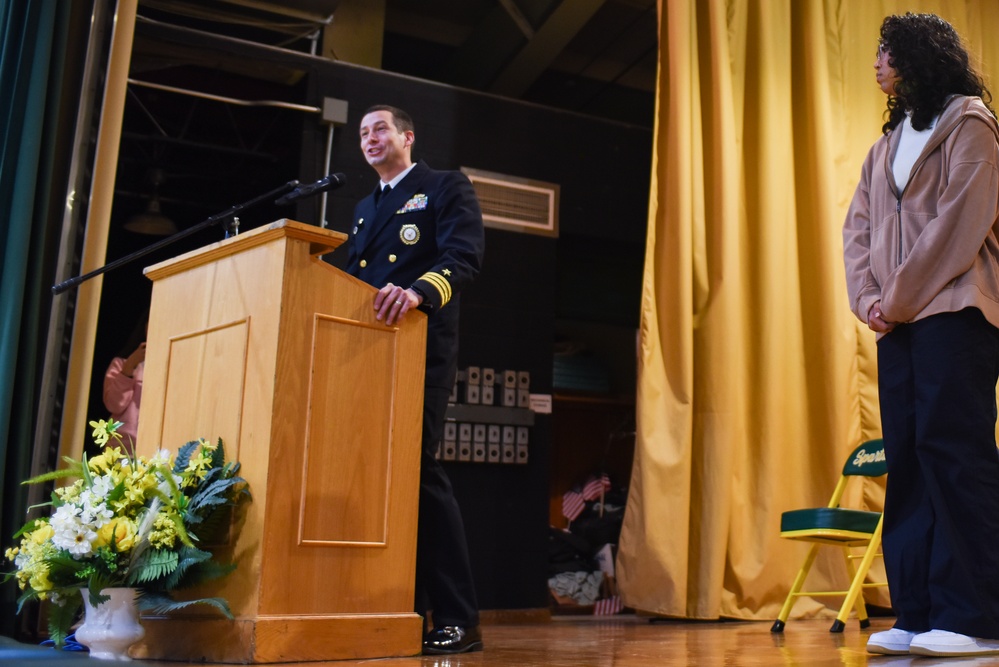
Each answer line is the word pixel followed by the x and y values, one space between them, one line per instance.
pixel 516 204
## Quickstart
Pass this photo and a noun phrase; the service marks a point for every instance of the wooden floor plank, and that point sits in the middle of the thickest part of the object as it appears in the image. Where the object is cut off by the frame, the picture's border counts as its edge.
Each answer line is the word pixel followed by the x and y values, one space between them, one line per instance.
pixel 629 641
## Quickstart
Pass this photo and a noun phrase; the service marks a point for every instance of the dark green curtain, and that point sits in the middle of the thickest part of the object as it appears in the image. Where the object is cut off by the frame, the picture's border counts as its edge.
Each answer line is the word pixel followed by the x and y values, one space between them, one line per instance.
pixel 32 55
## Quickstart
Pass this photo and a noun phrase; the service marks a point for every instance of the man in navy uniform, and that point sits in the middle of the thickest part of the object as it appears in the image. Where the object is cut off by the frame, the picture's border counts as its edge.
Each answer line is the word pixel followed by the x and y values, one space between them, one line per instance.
pixel 419 239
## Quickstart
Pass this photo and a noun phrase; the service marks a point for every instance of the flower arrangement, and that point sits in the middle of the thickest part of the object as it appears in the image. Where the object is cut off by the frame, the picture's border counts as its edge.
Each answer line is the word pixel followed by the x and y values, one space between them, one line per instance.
pixel 127 522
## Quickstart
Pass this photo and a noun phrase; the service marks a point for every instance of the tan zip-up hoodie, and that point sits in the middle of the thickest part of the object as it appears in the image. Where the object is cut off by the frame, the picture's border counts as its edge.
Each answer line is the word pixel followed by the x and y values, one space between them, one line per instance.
pixel 933 247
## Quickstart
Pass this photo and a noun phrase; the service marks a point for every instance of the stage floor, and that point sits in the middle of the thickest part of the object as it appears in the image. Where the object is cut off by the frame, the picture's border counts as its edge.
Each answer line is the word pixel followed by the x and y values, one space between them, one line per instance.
pixel 629 641
pixel 624 641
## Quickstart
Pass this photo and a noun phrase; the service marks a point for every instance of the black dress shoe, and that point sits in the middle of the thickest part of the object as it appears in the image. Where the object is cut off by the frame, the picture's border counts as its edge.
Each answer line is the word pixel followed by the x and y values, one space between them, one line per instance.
pixel 452 639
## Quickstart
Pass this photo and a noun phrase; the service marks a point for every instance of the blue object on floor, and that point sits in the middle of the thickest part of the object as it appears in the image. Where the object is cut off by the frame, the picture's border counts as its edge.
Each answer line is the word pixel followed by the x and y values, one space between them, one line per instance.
pixel 69 645
pixel 16 654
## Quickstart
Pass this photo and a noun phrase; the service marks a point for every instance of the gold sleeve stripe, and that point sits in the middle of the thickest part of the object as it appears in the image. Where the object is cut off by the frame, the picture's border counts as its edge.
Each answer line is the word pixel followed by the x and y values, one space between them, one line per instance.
pixel 440 283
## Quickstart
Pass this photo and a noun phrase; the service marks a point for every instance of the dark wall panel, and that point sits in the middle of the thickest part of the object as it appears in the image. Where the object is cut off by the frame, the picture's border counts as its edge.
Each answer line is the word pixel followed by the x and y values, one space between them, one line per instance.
pixel 508 315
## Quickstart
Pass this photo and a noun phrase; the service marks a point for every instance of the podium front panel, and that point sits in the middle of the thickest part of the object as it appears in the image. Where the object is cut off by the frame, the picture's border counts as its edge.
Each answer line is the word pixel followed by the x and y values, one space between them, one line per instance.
pixel 347 462
pixel 207 403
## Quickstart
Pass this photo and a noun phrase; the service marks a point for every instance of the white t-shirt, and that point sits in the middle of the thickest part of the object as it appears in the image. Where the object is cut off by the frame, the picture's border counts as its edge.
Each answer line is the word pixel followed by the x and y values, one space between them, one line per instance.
pixel 910 145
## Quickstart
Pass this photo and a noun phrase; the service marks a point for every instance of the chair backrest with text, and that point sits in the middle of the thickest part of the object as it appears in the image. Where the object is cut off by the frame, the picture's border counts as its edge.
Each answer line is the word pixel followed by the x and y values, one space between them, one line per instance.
pixel 867 460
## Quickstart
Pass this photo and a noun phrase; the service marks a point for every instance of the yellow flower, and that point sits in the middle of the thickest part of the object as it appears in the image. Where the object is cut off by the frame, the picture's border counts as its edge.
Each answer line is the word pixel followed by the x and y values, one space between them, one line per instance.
pixel 11 553
pixel 135 493
pixel 104 431
pixel 164 533
pixel 122 530
pixel 199 462
pixel 43 534
pixel 106 460
pixel 70 493
pixel 39 579
pixel 100 433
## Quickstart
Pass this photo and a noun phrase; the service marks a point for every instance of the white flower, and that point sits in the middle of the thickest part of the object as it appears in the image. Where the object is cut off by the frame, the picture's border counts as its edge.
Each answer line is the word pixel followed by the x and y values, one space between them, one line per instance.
pixel 95 516
pixel 70 533
pixel 103 486
pixel 78 542
pixel 94 512
pixel 67 515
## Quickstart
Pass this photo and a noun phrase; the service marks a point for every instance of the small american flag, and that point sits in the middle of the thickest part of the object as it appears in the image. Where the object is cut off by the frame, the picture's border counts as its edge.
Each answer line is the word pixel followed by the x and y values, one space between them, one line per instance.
pixel 596 487
pixel 608 606
pixel 572 504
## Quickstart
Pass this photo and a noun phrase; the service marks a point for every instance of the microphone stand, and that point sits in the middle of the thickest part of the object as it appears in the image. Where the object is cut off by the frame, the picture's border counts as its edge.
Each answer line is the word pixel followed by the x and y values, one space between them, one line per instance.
pixel 207 222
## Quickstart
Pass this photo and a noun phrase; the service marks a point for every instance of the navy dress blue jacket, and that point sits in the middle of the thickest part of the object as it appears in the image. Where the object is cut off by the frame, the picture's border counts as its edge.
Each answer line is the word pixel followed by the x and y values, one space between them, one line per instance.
pixel 426 234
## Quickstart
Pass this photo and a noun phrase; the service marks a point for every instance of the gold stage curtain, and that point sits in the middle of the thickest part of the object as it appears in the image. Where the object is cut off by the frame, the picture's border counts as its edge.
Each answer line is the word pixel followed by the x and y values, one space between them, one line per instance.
pixel 755 380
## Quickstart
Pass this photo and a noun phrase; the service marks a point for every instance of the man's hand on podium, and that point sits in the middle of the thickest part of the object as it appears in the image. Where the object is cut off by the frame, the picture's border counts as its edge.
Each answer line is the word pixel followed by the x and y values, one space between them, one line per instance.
pixel 392 302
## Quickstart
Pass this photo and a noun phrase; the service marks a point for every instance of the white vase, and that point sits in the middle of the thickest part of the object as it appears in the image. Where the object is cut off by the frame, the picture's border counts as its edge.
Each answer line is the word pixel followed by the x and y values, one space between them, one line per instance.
pixel 111 627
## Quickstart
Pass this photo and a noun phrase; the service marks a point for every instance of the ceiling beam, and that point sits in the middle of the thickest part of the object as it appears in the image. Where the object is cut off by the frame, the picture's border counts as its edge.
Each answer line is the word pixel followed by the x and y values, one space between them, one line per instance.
pixel 518 17
pixel 316 11
pixel 549 40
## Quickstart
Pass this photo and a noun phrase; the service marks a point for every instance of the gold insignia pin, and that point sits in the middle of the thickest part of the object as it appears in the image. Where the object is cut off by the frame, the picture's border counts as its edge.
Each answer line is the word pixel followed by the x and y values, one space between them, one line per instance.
pixel 409 234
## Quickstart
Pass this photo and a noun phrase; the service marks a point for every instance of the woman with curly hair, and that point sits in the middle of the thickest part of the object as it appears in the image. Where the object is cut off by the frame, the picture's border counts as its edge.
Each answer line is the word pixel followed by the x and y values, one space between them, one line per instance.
pixel 922 268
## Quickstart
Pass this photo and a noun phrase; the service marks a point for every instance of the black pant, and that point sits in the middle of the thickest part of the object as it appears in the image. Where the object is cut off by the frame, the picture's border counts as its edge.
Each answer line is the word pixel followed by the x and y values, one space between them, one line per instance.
pixel 937 380
pixel 443 572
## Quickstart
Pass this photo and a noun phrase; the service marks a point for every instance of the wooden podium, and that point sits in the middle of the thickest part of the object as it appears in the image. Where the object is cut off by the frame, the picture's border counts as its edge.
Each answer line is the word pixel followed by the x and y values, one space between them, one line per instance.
pixel 258 341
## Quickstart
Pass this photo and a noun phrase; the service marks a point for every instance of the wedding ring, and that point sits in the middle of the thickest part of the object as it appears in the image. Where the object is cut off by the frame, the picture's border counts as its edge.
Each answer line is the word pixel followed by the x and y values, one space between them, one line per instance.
pixel 399 302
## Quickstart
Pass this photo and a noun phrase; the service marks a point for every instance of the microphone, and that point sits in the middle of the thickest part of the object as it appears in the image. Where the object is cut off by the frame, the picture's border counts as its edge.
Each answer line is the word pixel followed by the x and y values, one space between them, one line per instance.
pixel 330 182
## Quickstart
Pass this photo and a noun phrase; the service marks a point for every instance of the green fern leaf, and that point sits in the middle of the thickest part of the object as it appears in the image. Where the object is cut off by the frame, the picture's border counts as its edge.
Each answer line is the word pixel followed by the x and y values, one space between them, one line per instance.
pixel 204 572
pixel 162 604
pixel 204 508
pixel 184 456
pixel 218 456
pixel 220 492
pixel 95 591
pixel 148 599
pixel 189 557
pixel 152 565
pixel 63 569
pixel 214 527
pixel 61 619
pixel 26 596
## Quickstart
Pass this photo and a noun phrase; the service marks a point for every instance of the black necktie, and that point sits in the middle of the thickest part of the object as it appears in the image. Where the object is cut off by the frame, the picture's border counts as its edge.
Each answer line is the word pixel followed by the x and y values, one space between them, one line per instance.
pixel 382 195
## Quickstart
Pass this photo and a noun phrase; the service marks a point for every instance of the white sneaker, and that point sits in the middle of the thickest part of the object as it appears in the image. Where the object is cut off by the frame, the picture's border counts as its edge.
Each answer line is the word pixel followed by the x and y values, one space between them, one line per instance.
pixel 890 642
pixel 942 642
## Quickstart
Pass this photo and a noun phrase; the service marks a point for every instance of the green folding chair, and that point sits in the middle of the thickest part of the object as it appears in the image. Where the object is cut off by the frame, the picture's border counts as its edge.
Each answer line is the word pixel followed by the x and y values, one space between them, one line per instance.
pixel 849 529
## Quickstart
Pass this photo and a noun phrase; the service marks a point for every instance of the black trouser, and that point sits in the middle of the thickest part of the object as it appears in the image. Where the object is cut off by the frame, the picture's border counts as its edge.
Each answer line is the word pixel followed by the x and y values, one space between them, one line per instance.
pixel 443 572
pixel 937 380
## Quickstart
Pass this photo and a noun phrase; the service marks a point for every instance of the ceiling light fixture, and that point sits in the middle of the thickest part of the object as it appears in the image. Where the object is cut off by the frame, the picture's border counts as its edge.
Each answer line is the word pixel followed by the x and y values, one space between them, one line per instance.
pixel 152 221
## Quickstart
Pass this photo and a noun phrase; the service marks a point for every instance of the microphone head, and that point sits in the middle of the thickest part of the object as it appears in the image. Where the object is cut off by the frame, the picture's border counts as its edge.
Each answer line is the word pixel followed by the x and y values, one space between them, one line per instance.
pixel 329 182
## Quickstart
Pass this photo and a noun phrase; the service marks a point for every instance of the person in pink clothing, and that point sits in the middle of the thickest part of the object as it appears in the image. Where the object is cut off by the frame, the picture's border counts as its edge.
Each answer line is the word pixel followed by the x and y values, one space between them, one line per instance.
pixel 123 393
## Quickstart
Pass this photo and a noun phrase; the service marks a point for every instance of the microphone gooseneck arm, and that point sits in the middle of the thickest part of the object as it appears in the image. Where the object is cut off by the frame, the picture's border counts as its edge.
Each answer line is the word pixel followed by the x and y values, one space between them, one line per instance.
pixel 207 222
